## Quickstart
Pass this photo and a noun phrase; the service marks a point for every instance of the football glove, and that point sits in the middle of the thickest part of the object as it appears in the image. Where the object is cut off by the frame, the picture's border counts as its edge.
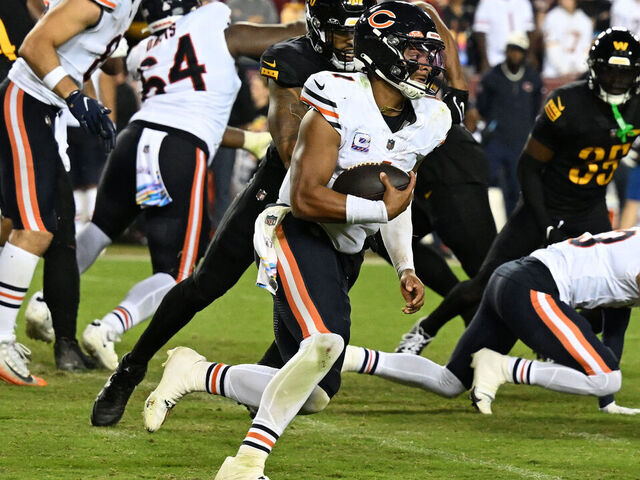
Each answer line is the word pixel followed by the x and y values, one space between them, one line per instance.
pixel 554 234
pixel 619 410
pixel 93 117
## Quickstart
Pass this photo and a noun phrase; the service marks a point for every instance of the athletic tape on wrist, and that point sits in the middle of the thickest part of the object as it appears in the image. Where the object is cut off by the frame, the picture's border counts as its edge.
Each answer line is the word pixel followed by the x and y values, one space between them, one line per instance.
pixel 52 78
pixel 361 210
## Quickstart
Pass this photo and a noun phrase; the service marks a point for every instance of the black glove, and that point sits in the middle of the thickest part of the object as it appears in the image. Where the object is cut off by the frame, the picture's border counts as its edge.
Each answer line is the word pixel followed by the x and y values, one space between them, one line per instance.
pixel 93 117
pixel 555 234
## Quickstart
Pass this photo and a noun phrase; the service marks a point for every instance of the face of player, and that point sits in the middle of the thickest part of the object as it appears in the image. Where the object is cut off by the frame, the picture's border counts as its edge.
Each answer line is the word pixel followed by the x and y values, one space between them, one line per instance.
pixel 424 58
pixel 616 80
pixel 343 44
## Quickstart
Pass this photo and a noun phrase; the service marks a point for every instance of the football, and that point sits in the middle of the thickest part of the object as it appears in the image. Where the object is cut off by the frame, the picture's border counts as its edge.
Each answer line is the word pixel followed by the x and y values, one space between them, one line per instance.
pixel 364 180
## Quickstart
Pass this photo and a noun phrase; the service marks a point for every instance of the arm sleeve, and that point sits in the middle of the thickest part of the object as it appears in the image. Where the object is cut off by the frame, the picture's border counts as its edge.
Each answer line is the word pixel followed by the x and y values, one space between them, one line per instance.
pixel 397 235
pixel 530 178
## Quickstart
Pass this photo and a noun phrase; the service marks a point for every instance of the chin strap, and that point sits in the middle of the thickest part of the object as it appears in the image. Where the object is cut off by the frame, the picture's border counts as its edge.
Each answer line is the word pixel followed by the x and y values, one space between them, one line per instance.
pixel 624 128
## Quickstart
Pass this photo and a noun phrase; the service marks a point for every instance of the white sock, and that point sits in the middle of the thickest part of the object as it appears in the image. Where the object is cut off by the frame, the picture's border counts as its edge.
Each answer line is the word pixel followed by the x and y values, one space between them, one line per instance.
pixel 16 271
pixel 90 195
pixel 289 389
pixel 404 368
pixel 140 303
pixel 564 379
pixel 79 199
pixel 90 241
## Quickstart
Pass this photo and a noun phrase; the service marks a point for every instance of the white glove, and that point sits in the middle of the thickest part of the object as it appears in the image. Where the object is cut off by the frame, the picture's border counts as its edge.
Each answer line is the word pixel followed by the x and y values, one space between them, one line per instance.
pixel 256 143
pixel 618 410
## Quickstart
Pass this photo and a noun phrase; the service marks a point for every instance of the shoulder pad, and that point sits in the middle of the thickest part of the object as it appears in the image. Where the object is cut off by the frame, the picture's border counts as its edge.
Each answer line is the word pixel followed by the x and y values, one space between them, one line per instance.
pixel 291 62
pixel 317 93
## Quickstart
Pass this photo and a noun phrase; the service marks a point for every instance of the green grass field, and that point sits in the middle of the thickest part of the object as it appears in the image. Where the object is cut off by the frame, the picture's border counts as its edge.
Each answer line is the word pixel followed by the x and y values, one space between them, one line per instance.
pixel 373 429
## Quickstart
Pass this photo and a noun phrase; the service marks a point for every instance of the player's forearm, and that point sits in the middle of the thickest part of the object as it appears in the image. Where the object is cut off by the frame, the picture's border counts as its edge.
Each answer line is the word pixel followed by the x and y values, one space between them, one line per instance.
pixel 55 28
pixel 318 204
pixel 251 40
pixel 530 178
pixel 397 236
pixel 284 117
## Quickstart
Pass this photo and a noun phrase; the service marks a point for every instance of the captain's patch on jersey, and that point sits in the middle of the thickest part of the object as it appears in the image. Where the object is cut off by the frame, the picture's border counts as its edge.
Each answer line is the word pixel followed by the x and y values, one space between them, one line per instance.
pixel 554 110
pixel 269 73
pixel 361 142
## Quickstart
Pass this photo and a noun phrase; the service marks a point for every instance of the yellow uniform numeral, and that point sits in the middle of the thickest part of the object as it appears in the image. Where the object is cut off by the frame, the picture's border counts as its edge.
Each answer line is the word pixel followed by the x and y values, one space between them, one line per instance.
pixel 603 171
pixel 6 47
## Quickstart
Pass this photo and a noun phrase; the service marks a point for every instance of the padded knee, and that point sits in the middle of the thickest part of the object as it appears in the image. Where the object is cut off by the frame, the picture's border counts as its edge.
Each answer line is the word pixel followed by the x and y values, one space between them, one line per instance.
pixel 606 383
pixel 317 402
pixel 323 349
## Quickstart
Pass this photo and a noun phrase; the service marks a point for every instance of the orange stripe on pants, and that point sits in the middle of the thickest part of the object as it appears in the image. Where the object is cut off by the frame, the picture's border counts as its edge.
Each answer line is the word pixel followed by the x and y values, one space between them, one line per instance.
pixel 300 288
pixel 194 224
pixel 27 200
pixel 566 343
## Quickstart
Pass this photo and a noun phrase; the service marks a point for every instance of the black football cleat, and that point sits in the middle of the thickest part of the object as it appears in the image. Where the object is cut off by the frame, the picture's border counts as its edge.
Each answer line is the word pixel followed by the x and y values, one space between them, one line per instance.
pixel 112 399
pixel 70 357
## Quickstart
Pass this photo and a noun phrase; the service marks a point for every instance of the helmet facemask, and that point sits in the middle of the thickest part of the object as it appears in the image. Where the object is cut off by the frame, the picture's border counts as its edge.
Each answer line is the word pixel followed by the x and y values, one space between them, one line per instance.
pixel 325 39
pixel 419 68
pixel 615 84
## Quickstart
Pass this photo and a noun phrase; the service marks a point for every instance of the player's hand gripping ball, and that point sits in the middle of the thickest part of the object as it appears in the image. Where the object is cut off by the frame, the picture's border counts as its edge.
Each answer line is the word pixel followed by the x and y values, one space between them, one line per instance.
pixel 363 180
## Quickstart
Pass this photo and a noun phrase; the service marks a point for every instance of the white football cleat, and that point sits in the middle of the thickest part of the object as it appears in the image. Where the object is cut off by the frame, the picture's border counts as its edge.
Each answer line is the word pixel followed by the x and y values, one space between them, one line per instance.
pixel 615 409
pixel 13 365
pixel 490 371
pixel 414 341
pixel 172 387
pixel 38 319
pixel 242 467
pixel 98 340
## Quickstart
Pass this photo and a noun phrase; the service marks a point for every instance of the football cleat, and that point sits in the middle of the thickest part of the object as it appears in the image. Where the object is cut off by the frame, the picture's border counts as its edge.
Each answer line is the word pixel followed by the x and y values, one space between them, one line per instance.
pixel 490 371
pixel 70 357
pixel 414 341
pixel 242 467
pixel 98 339
pixel 172 387
pixel 110 403
pixel 13 365
pixel 38 319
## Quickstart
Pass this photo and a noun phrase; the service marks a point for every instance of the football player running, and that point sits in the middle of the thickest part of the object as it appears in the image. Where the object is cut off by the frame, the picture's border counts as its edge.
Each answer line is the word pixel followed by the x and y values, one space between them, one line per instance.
pixel 533 299
pixel 576 144
pixel 328 45
pixel 158 168
pixel 59 54
pixel 316 235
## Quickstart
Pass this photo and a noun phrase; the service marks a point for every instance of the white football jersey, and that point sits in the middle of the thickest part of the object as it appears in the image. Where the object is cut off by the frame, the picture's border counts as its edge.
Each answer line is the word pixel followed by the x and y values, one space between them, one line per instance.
pixel 567 39
pixel 82 54
pixel 346 101
pixel 596 270
pixel 497 19
pixel 189 79
pixel 626 13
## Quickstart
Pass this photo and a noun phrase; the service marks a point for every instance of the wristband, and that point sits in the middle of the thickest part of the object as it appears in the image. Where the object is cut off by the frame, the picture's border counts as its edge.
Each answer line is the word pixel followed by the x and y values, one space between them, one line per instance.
pixel 361 210
pixel 52 78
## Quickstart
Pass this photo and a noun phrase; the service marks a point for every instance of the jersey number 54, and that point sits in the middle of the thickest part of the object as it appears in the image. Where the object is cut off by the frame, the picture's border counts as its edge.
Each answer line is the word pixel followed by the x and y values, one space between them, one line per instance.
pixel 185 66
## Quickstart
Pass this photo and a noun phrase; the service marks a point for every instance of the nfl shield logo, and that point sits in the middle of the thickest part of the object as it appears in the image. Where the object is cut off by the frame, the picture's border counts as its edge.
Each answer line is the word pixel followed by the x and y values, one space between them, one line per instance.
pixel 271 220
pixel 390 144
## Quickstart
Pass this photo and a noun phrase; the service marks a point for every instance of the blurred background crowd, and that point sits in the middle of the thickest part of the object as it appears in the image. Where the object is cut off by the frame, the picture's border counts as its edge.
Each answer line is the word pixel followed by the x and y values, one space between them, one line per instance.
pixel 513 52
